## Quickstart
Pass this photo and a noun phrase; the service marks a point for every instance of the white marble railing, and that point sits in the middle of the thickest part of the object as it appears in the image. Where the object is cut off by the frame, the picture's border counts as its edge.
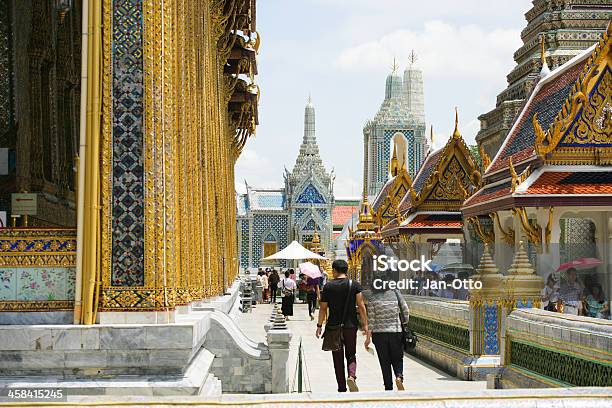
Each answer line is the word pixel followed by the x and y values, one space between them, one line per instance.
pixel 551 349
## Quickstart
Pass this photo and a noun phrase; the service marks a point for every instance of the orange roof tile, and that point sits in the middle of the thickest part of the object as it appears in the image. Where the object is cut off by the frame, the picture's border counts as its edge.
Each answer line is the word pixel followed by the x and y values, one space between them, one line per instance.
pixel 571 183
pixel 342 213
pixel 436 221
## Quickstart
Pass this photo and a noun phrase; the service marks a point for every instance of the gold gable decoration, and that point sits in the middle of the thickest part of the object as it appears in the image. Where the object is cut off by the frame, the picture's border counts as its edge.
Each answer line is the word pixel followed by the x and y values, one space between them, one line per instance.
pixel 402 184
pixel 451 181
pixel 586 117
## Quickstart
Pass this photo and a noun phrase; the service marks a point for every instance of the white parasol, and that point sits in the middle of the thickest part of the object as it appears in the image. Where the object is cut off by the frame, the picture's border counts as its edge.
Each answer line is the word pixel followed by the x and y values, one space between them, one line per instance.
pixel 294 251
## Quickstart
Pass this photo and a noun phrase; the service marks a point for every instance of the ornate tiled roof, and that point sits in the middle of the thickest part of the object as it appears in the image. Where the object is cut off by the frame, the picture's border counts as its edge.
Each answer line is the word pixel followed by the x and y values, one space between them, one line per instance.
pixel 382 194
pixel 489 194
pixel 343 213
pixel 430 163
pixel 563 132
pixel 561 183
pixel 547 100
pixel 435 221
pixel 265 199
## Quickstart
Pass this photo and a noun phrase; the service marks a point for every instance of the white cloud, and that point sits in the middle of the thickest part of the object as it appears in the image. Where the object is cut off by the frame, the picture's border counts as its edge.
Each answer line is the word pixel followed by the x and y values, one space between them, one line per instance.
pixel 347 187
pixel 444 51
pixel 256 169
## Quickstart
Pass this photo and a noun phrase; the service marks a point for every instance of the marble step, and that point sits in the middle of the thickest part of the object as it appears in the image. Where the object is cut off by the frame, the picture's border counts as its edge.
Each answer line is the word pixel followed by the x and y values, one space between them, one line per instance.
pixel 212 387
pixel 196 380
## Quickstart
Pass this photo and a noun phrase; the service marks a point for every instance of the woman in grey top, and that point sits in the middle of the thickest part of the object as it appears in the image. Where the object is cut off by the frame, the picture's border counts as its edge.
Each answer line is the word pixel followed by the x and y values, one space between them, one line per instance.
pixel 385 331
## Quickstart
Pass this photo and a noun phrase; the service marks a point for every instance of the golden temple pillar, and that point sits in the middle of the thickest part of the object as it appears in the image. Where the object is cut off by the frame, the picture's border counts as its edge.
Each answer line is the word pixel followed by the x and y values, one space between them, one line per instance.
pixel 168 204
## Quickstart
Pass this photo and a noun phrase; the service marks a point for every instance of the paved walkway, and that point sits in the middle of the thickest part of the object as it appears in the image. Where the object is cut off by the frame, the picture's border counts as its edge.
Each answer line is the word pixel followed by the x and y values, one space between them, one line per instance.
pixel 418 376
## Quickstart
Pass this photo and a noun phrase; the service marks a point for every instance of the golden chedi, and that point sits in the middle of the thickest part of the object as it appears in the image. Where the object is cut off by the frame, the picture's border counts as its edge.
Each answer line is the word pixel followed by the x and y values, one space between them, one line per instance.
pixel 522 283
pixel 488 274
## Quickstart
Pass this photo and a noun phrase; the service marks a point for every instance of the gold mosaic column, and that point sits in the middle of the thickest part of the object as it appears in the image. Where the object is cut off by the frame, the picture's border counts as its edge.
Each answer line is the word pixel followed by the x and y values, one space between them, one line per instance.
pixel 187 179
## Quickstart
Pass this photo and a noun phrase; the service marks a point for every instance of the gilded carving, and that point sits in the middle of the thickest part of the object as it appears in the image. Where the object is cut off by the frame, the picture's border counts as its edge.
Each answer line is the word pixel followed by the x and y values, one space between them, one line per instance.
pixel 532 230
pixel 487 237
pixel 507 236
pixel 486 160
pixel 585 119
pixel 548 229
pixel 452 185
pixel 518 179
pixel 36 305
pixel 38 247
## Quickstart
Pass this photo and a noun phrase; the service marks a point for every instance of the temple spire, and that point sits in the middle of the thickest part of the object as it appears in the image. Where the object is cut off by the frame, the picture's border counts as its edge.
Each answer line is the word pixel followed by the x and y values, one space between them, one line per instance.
pixel 394 165
pixel 456 133
pixel 394 67
pixel 431 137
pixel 309 122
pixel 413 57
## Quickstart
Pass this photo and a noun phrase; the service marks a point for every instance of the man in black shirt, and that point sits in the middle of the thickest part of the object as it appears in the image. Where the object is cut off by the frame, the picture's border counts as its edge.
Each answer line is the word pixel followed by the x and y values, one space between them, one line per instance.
pixel 334 298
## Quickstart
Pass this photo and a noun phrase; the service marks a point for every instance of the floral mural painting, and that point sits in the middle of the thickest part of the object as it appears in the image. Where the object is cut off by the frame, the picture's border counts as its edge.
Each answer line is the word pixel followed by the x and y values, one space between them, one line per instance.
pixel 8 282
pixel 43 284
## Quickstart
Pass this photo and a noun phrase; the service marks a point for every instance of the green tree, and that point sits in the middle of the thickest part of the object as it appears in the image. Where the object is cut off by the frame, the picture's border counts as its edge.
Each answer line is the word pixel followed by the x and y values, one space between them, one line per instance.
pixel 476 155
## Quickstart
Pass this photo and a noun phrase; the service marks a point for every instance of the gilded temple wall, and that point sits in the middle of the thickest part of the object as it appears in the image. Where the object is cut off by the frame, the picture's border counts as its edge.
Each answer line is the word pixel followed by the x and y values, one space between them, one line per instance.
pixel 168 205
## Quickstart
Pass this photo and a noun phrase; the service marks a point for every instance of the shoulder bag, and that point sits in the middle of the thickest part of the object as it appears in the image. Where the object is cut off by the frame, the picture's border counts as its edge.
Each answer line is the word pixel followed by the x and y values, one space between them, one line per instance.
pixel 286 292
pixel 332 336
pixel 409 339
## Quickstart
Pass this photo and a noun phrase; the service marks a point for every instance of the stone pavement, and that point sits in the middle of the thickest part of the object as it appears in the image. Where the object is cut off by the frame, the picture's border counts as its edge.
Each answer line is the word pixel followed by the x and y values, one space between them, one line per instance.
pixel 418 376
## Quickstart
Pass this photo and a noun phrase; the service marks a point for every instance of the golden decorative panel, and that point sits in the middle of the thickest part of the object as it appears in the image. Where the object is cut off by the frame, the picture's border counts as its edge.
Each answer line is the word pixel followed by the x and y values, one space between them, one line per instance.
pixel 37 247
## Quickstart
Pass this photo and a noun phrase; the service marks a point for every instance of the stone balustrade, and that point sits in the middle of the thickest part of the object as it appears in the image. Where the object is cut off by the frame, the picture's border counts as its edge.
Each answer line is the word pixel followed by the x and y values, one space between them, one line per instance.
pixel 443 329
pixel 547 349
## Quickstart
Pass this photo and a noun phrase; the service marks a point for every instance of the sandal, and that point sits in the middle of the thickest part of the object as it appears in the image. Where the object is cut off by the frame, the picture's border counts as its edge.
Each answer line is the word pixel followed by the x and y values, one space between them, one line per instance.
pixel 352 385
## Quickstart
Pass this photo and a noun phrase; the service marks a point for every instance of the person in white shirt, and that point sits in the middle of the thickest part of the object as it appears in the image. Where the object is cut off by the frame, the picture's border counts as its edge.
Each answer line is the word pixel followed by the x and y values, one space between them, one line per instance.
pixel 264 284
pixel 287 286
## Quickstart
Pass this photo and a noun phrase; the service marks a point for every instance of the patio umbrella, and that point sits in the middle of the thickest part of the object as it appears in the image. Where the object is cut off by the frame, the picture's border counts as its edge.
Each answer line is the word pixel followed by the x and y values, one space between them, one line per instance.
pixel 294 251
pixel 311 270
pixel 579 264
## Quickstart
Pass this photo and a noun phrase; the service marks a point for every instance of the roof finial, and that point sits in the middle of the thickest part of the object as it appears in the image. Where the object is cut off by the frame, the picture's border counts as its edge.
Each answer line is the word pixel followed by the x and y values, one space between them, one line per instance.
pixel 413 57
pixel 394 162
pixel 456 133
pixel 394 67
pixel 431 136
pixel 545 70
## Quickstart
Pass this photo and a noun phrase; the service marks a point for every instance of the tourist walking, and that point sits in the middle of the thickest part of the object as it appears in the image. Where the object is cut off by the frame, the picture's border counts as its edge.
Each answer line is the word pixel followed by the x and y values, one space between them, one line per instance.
pixel 342 296
pixel 287 287
pixel 273 285
pixel 385 323
pixel 265 285
pixel 312 294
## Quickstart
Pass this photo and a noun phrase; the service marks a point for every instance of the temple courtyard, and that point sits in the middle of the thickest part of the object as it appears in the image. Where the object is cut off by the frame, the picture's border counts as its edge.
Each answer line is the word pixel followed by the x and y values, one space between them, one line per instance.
pixel 319 369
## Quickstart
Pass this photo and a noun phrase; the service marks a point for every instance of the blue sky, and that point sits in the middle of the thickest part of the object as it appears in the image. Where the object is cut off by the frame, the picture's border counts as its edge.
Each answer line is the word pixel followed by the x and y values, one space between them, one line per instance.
pixel 340 52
